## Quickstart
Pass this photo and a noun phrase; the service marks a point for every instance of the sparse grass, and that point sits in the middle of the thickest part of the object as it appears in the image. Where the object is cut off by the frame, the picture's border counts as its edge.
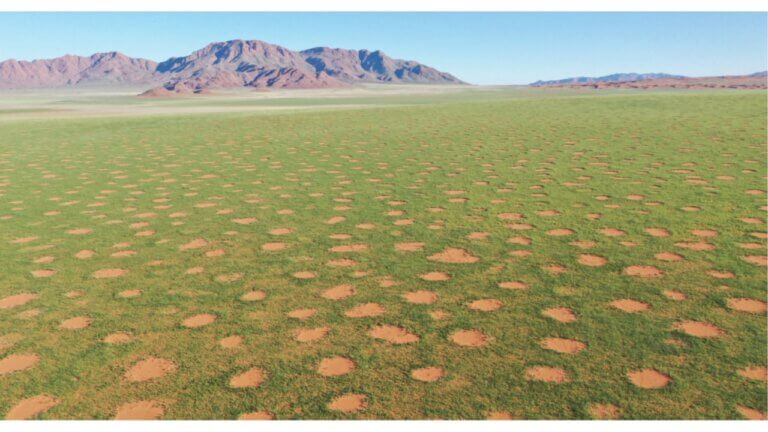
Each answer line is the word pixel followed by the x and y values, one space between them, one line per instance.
pixel 533 154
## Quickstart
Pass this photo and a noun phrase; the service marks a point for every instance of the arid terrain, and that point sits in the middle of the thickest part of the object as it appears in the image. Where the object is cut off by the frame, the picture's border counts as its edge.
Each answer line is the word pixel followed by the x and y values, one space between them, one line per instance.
pixel 429 252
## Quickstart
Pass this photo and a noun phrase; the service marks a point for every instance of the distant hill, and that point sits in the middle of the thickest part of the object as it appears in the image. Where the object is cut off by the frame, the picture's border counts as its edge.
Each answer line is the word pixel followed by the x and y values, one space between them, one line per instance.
pixel 655 80
pixel 231 64
pixel 617 77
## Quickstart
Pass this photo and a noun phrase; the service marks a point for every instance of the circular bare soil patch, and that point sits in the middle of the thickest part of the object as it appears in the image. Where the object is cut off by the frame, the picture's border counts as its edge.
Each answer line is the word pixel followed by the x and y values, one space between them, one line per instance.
pixel 257 415
pixel 604 411
pixel 118 338
pixel 231 342
pixel 302 314
pixel 513 285
pixel 435 276
pixel 141 410
pixel 750 414
pixel 698 329
pixel 486 305
pixel 642 271
pixel 648 378
pixel 109 273
pixel 305 275
pixel 75 323
pixel 421 297
pixel 129 293
pixel 17 300
pixel 365 310
pixel 85 254
pixel 18 362
pixel 393 334
pixel 470 338
pixel 546 374
pixel 428 374
pixel 44 273
pixel 29 408
pixel 657 232
pixel 630 306
pixel 275 246
pixel 199 320
pixel 335 366
pixel 194 244
pixel 612 232
pixel 560 232
pixel 499 415
pixel 253 296
pixel 756 373
pixel 311 335
pixel 592 260
pixel 454 256
pixel 668 256
pixel 409 246
pixel 674 295
pixel 338 292
pixel 349 403
pixel 149 369
pixel 747 305
pixel 561 314
pixel 251 378
pixel 563 346
pixel 759 260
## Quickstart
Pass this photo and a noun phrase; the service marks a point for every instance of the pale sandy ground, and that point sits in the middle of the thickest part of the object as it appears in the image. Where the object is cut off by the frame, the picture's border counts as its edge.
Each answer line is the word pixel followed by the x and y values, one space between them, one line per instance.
pixel 110 102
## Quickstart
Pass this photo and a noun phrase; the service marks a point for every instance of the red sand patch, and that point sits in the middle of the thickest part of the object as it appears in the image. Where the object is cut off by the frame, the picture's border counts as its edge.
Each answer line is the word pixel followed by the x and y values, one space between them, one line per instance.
pixel 194 244
pixel 229 277
pixel 335 220
pixel 510 216
pixel 305 275
pixel 349 403
pixel 253 296
pixel 561 314
pixel 338 292
pixel 365 310
pixel 129 293
pixel 698 329
pixel 231 342
pixel 335 366
pixel 350 248
pixel 18 362
pixel 751 414
pixel 720 274
pixel 648 378
pixel 604 411
pixel 513 285
pixel 760 260
pixel 428 374
pixel 435 276
pixel 393 334
pixel 657 232
pixel 22 240
pixel 563 346
pixel 421 297
pixel 642 271
pixel 31 407
pixel 478 235
pixel 199 320
pixel 149 369
pixel 109 273
pixel 141 410
pixel 79 231
pixel 42 273
pixel 257 415
pixel 674 295
pixel 546 374
pixel 311 335
pixel 271 247
pixel 630 306
pixel 560 232
pixel 244 221
pixel 486 305
pixel 44 260
pixel 302 314
pixel 697 246
pixel 409 247
pixel 519 240
pixel 454 256
pixel 499 415
pixel 85 254
pixel 249 379
pixel 612 232
pixel 704 233
pixel 17 300
pixel 75 323
pixel 123 254
pixel 668 256
pixel 755 373
pixel 747 305
pixel 592 260
pixel 470 338
pixel 118 338
pixel 281 231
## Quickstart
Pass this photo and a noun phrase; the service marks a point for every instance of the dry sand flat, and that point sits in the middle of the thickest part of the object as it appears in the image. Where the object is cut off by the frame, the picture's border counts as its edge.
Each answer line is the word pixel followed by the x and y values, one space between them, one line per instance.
pixel 31 407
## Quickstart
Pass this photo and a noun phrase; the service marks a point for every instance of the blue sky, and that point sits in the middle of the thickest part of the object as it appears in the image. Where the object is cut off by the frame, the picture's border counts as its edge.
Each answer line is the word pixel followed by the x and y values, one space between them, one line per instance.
pixel 482 48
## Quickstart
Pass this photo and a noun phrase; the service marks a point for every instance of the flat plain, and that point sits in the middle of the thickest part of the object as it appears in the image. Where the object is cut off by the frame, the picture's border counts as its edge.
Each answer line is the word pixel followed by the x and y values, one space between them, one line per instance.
pixel 498 253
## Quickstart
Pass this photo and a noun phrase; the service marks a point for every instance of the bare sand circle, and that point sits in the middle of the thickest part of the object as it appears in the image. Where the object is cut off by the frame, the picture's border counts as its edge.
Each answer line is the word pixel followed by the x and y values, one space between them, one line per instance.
pixel 311 335
pixel 117 338
pixel 75 323
pixel 454 256
pixel 486 305
pixel 305 275
pixel 365 310
pixel 231 342
pixel 420 297
pixel 393 334
pixel 251 378
pixel 253 296
pixel 428 374
pixel 756 373
pixel 630 306
pixel 698 329
pixel 592 260
pixel 470 338
pixel 513 285
pixel 141 410
pixel 335 366
pixel 642 271
pixel 257 415
pixel 199 320
pixel 561 314
pixel 149 369
pixel 348 403
pixel 409 246
pixel 563 346
pixel 17 300
pixel 648 378
pixel 18 362
pixel 338 292
pixel 31 407
pixel 546 374
pixel 302 314
pixel 604 411
pixel 109 273
pixel 747 305
pixel 435 276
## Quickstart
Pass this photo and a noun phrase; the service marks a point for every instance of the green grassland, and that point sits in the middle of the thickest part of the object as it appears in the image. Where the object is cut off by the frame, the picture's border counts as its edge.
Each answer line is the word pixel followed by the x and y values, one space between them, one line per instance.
pixel 696 161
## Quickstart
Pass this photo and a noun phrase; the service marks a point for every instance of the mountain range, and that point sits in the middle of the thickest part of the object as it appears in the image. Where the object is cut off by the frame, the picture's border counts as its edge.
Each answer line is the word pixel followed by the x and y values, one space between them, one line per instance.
pixel 756 80
pixel 231 64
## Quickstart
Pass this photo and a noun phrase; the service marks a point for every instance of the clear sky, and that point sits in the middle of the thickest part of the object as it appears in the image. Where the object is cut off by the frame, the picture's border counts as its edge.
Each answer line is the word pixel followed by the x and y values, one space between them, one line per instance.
pixel 481 48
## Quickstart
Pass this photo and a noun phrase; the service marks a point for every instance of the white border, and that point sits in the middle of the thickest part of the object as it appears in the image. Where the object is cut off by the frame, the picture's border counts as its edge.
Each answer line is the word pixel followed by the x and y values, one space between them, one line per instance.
pixel 386 6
